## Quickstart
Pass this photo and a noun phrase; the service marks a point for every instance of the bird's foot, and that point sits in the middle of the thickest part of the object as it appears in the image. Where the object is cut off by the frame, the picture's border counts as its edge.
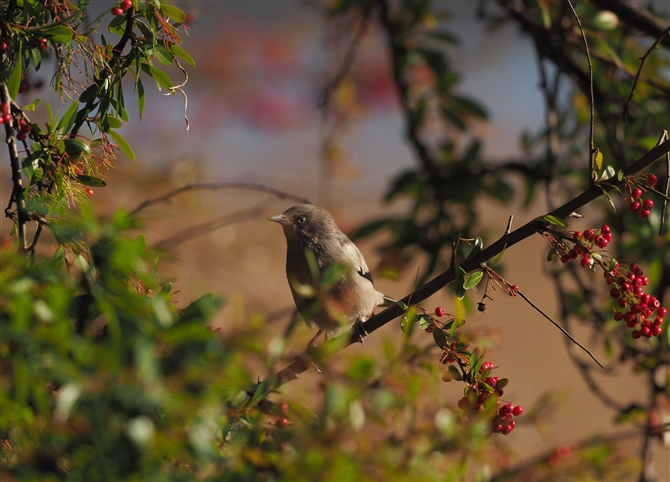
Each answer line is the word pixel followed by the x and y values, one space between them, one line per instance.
pixel 359 333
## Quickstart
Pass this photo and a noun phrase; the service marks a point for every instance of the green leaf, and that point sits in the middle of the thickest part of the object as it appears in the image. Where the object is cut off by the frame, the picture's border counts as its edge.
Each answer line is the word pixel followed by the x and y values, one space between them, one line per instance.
pixel 91 181
pixel 499 257
pixel 609 198
pixel 122 143
pixel 620 175
pixel 163 56
pixel 476 249
pixel 608 173
pixel 470 106
pixel 89 94
pixel 554 220
pixel 117 25
pixel 161 78
pixel 402 306
pixel 14 81
pixel 59 34
pixel 440 338
pixel 424 322
pixel 75 148
pixel 472 280
pixel 141 98
pixel 458 282
pixel 32 105
pixel 173 13
pixel 182 54
pixel 36 57
pixel 114 122
pixel 68 118
pixel 453 118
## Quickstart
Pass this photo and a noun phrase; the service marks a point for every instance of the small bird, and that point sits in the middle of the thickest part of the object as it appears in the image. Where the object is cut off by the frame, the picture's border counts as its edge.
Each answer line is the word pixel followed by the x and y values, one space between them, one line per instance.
pixel 351 298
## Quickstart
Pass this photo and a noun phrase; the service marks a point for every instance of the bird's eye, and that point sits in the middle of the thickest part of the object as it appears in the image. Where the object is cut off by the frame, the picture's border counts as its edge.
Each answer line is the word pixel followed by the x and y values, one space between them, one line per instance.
pixel 301 220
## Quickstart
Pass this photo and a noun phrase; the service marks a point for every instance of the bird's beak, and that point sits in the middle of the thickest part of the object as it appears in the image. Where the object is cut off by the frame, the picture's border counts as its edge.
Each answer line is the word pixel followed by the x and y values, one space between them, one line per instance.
pixel 281 219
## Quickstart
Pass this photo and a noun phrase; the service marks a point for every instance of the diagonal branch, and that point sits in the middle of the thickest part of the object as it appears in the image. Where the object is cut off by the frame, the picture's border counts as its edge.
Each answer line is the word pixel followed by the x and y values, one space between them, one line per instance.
pixel 302 363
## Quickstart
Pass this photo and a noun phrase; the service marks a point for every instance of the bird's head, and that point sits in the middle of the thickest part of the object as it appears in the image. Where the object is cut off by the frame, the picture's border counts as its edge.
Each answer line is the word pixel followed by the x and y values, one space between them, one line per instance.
pixel 306 222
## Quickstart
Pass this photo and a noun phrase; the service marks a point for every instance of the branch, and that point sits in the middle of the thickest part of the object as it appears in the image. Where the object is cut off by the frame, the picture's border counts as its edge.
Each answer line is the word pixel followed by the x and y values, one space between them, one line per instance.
pixel 215 186
pixel 17 187
pixel 643 59
pixel 302 363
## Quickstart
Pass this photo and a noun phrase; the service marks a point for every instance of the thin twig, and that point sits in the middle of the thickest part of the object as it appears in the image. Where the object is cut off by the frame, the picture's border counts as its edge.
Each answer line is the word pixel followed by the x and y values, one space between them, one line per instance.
pixel 346 63
pixel 509 225
pixel 592 151
pixel 643 59
pixel 539 310
pixel 454 248
pixel 209 226
pixel 667 186
pixel 215 186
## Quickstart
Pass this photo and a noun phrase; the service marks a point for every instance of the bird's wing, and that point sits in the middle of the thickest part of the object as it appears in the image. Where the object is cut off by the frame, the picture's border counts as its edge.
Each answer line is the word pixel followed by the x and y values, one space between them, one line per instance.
pixel 355 258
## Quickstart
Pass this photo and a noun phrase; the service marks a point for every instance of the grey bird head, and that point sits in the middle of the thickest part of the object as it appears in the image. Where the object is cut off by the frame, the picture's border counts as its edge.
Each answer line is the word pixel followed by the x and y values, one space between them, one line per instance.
pixel 307 224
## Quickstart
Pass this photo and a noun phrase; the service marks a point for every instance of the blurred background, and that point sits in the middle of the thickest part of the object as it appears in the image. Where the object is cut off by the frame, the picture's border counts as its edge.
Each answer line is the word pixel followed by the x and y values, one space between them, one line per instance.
pixel 254 117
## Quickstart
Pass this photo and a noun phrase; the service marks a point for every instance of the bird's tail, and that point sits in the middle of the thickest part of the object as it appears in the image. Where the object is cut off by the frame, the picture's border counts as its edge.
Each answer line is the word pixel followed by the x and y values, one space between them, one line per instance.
pixel 388 301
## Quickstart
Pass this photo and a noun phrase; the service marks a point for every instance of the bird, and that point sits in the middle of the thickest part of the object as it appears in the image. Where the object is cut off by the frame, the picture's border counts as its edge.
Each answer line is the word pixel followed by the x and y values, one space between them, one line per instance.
pixel 331 284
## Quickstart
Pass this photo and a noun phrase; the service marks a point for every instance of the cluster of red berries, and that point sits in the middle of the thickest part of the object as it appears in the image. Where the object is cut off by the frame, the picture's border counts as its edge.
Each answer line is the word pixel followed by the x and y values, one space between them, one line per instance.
pixel 24 128
pixel 477 395
pixel 503 422
pixel 598 237
pixel 634 306
pixel 639 205
pixel 5 114
pixel 123 6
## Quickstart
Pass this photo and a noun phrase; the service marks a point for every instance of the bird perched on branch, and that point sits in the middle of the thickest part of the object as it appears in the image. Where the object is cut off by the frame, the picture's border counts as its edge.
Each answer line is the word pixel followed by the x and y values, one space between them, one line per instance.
pixel 329 279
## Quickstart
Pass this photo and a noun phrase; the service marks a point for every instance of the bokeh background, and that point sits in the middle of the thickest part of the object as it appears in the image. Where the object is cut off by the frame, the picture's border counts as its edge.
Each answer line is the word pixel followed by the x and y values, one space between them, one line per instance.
pixel 254 117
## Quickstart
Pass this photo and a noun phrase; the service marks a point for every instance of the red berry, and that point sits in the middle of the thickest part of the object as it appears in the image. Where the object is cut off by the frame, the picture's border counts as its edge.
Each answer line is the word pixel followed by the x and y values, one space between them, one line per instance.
pixel 5 108
pixel 439 311
pixel 605 228
pixel 577 235
pixel 463 403
pixel 635 334
pixel 89 192
pixel 634 206
pixel 7 118
pixel 21 136
pixel 518 410
pixel 22 88
pixel 622 303
pixel 588 234
pixel 661 312
pixel 515 288
pixel 600 240
pixel 4 45
pixel 652 180
pixel 644 299
pixel 26 128
pixel 505 410
pixel 43 46
pixel 282 422
pixel 565 258
pixel 633 267
pixel 647 204
pixel 653 303
pixel 656 330
pixel 637 192
pixel 585 262
pixel 645 331
pixel 645 280
pixel 117 11
pixel 644 214
pixel 607 236
pixel 126 4
pixel 618 316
